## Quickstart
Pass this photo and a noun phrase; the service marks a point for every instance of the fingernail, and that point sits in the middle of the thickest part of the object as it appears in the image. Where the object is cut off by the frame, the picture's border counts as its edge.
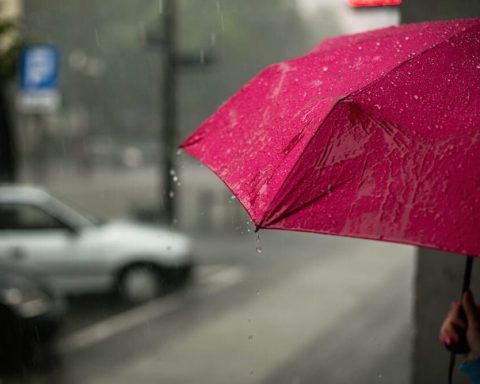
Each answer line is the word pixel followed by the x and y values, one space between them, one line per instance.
pixel 447 341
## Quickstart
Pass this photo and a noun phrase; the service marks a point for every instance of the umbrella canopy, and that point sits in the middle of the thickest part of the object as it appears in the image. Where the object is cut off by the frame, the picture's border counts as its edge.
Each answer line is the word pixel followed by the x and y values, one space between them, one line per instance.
pixel 374 135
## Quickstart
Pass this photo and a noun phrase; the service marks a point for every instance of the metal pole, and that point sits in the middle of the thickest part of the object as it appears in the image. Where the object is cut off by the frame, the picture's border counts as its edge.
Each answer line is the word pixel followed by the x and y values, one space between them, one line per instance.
pixel 168 94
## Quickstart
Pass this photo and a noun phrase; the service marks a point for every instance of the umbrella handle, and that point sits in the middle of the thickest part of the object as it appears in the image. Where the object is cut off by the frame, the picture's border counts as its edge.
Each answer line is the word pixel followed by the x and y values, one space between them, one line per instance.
pixel 461 346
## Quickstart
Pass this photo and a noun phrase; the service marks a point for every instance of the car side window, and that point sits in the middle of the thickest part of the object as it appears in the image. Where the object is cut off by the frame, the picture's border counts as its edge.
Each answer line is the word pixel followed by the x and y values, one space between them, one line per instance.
pixel 26 217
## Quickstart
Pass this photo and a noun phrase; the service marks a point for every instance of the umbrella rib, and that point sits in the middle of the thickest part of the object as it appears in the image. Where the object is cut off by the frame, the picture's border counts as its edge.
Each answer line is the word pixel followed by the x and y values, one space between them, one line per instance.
pixel 272 205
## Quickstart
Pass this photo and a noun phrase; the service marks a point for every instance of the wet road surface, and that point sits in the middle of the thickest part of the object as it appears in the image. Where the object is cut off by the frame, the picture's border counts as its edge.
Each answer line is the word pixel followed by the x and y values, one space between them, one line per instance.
pixel 307 309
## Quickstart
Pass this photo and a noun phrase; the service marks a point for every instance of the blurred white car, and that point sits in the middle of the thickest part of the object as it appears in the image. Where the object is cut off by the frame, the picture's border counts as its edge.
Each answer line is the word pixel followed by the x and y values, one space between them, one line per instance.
pixel 79 254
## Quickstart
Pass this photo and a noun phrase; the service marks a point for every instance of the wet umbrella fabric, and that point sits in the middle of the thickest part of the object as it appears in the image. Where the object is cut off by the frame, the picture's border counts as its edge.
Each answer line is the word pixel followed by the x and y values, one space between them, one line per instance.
pixel 374 135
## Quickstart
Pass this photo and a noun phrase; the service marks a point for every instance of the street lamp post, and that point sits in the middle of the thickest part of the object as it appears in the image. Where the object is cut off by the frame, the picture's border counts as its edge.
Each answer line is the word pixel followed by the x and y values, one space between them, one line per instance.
pixel 168 107
pixel 163 37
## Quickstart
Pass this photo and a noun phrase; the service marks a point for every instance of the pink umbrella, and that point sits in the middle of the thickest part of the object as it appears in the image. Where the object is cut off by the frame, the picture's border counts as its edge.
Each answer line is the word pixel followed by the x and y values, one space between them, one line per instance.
pixel 374 135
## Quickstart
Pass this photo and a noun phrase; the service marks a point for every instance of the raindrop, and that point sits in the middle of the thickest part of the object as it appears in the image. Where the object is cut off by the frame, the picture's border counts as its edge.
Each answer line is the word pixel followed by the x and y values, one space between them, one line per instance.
pixel 232 197
pixel 407 38
pixel 250 337
pixel 378 106
pixel 259 245
pixel 478 66
pixel 175 178
pixel 222 23
pixel 415 97
pixel 171 194
pixel 179 152
pixel 252 372
pixel 380 376
pixel 213 39
pixel 172 172
pixel 325 69
pixel 258 293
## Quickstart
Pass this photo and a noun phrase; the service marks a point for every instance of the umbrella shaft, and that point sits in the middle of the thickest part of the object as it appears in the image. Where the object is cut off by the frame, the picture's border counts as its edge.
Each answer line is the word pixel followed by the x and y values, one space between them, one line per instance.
pixel 467 274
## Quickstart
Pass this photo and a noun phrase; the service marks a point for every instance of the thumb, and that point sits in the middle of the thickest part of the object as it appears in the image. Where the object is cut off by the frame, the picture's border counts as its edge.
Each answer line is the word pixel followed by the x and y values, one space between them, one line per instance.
pixel 471 310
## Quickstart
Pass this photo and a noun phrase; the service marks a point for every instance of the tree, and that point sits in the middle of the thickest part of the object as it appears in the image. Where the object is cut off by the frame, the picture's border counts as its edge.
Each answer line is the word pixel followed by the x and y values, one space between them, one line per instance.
pixel 8 64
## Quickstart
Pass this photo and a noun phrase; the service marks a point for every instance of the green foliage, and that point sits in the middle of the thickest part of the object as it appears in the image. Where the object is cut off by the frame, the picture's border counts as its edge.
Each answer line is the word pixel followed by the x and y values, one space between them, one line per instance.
pixel 10 45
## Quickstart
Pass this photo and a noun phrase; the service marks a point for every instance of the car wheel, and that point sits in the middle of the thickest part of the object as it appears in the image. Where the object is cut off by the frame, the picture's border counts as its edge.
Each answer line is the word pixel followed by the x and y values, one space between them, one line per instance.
pixel 140 283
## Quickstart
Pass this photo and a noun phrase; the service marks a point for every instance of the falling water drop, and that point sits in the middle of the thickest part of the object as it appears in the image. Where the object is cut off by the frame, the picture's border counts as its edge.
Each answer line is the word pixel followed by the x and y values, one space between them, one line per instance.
pixel 259 244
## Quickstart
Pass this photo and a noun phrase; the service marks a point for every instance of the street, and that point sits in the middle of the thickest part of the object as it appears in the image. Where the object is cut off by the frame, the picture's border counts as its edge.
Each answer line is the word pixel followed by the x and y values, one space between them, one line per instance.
pixel 306 309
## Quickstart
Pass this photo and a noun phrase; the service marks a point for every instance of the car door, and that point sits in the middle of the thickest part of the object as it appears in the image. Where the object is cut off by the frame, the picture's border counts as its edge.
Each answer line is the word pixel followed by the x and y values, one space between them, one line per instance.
pixel 34 238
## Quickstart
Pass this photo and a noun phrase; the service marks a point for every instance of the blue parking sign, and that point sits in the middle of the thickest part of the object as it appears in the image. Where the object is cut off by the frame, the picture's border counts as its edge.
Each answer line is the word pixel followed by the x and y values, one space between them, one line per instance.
pixel 38 78
pixel 39 67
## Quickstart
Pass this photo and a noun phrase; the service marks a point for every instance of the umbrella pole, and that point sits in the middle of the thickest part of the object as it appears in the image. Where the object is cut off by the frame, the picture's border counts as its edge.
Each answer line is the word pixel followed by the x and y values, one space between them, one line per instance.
pixel 467 277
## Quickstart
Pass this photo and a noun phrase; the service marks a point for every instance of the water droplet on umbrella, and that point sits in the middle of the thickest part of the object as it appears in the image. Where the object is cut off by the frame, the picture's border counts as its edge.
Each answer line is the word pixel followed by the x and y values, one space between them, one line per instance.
pixel 415 97
pixel 478 66
pixel 325 69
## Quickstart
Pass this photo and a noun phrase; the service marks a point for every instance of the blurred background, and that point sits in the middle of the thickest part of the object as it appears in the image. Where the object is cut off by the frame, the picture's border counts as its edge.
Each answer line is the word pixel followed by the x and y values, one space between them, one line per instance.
pixel 123 259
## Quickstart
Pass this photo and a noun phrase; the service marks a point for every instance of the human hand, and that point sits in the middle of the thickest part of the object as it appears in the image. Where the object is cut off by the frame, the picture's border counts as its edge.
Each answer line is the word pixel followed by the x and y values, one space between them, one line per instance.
pixel 456 323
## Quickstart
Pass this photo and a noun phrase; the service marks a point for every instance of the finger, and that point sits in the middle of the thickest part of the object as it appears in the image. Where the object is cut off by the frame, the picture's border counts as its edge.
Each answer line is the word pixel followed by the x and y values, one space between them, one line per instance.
pixel 448 337
pixel 448 334
pixel 455 310
pixel 471 310
pixel 455 317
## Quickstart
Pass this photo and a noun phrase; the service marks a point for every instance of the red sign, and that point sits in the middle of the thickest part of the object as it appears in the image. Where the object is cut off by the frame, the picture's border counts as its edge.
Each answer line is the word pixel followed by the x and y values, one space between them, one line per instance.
pixel 373 3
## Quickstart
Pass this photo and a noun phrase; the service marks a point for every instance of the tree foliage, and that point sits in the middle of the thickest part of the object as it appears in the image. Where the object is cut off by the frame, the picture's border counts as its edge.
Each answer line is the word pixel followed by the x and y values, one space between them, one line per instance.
pixel 10 44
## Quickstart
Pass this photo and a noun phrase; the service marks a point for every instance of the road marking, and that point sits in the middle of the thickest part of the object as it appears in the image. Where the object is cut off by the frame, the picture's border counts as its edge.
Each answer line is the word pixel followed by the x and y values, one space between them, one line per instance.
pixel 211 279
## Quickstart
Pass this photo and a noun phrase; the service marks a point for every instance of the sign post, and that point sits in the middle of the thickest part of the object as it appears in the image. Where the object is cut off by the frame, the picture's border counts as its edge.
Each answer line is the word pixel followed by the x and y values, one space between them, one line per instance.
pixel 38 96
